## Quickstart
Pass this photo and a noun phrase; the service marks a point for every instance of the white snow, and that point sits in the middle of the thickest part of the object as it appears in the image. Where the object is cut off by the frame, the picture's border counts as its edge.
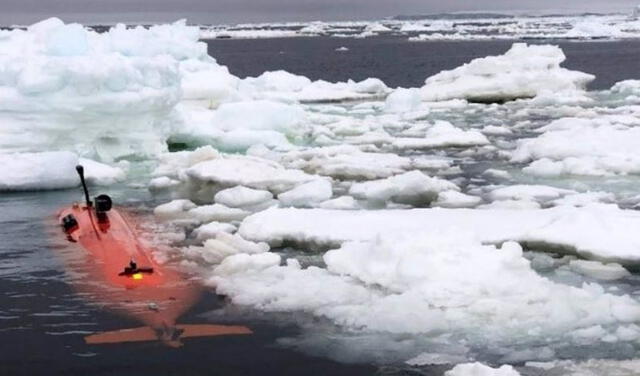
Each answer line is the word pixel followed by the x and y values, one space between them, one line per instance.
pixel 598 270
pixel 35 171
pixel 176 209
pixel 479 369
pixel 251 172
pixel 52 170
pixel 594 29
pixel 346 161
pixel 412 187
pixel 427 281
pixel 212 229
pixel 442 134
pixel 572 229
pixel 238 197
pixel 217 212
pixel 307 194
pixel 577 146
pixel 403 100
pixel 524 71
pixel 100 95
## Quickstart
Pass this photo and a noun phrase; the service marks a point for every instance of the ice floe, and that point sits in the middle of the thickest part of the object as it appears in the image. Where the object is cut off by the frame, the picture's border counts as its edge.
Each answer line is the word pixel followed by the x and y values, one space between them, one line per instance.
pixel 522 72
pixel 572 229
pixel 52 170
pixel 479 369
pixel 597 147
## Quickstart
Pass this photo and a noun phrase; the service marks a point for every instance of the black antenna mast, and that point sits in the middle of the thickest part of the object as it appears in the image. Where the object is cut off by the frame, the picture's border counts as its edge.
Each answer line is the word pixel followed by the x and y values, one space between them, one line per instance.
pixel 80 170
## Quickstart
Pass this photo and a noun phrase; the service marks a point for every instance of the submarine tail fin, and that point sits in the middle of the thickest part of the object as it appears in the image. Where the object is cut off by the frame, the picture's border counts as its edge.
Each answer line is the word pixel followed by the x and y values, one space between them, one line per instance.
pixel 140 334
pixel 145 333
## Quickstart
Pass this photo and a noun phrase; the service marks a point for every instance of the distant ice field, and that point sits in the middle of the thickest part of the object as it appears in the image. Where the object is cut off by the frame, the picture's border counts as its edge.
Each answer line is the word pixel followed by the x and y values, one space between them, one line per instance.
pixel 399 62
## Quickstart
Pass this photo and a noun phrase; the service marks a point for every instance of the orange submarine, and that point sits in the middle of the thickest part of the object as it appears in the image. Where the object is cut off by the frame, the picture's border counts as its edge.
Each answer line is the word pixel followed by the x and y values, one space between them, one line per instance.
pixel 123 276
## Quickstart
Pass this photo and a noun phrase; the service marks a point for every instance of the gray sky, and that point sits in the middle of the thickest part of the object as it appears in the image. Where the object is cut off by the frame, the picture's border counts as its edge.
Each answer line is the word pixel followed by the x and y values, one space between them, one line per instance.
pixel 235 11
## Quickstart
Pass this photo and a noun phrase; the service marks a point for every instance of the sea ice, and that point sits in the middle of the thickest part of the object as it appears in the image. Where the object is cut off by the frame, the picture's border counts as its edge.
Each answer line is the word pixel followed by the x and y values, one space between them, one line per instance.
pixel 414 188
pixel 428 281
pixel 307 194
pixel 563 228
pixel 479 369
pixel 442 134
pixel 239 197
pixel 52 170
pixel 522 72
pixel 346 162
pixel 577 146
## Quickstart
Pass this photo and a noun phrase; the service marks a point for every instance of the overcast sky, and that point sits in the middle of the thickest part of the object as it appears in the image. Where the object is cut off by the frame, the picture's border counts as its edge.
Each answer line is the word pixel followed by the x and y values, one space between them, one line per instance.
pixel 235 11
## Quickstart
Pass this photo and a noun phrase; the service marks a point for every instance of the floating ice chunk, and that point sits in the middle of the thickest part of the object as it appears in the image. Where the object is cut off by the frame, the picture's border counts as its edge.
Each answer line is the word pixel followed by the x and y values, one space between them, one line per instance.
pixel 425 359
pixel 528 192
pixel 239 197
pixel 587 198
pixel 259 115
pixel 162 182
pixel 376 27
pixel 54 89
pixel 598 270
pixel 217 212
pixel 495 130
pixel 38 171
pixel 223 245
pixel 341 49
pixel 281 85
pixel 479 369
pixel 455 199
pixel 442 134
pixel 246 262
pixel 582 147
pixel 52 170
pixel 592 29
pixel 575 230
pixel 522 72
pixel 205 81
pixel 456 284
pixel 340 203
pixel 346 162
pixel 176 209
pixel 307 194
pixel 67 40
pixel 495 173
pixel 414 188
pixel 101 174
pixel 173 165
pixel 247 171
pixel 591 367
pixel 627 87
pixel 210 230
pixel 277 81
pixel 290 287
pixel 403 100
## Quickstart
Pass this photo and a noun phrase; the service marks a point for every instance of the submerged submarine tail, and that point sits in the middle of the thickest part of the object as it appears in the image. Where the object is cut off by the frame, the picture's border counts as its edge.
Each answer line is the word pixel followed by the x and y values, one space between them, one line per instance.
pixel 170 337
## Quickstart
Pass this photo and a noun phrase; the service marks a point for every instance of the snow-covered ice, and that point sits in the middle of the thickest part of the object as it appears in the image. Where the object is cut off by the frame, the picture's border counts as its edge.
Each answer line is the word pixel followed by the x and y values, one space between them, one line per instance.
pixel 479 369
pixel 52 170
pixel 568 228
pixel 522 72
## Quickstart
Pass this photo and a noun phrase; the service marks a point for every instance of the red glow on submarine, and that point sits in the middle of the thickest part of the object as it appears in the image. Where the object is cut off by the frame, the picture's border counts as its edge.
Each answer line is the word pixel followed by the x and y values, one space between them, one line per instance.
pixel 123 276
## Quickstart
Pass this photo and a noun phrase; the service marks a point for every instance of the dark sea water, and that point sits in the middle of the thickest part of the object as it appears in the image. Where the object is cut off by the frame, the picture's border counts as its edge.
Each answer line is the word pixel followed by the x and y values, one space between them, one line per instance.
pixel 43 321
pixel 399 62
